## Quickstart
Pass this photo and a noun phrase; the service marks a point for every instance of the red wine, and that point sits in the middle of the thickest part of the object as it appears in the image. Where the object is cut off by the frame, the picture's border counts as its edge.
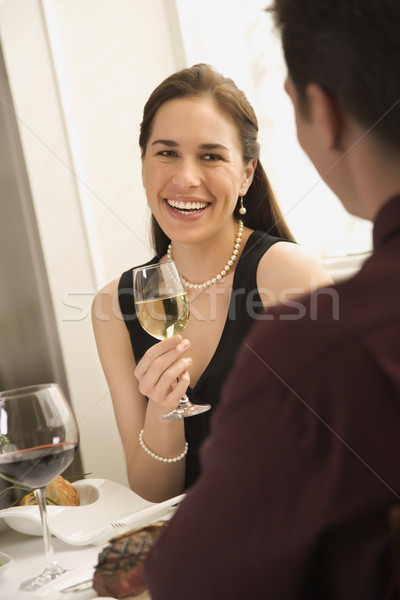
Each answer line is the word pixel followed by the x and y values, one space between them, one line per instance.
pixel 36 467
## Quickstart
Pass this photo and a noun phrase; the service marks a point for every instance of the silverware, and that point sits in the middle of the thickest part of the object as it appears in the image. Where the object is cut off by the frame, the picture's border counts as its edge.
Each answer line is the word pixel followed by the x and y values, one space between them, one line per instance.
pixel 118 524
pixel 165 508
pixel 78 587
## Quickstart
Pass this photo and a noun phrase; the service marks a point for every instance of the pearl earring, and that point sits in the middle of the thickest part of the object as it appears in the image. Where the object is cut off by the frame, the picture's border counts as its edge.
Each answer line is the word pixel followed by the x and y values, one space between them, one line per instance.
pixel 242 209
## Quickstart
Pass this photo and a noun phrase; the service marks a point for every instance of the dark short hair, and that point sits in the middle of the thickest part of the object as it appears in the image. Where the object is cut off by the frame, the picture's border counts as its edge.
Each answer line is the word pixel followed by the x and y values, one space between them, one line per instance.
pixel 263 212
pixel 352 49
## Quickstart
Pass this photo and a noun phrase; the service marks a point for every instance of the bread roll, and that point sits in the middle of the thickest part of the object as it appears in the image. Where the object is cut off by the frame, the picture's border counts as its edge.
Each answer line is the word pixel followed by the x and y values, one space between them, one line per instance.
pixel 59 490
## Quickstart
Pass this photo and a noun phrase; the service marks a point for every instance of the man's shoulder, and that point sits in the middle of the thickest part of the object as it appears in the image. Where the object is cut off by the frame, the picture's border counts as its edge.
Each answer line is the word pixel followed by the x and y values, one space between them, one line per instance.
pixel 297 336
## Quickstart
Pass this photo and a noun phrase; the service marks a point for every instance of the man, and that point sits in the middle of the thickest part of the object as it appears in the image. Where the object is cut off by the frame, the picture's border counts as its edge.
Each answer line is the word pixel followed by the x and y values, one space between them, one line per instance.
pixel 301 467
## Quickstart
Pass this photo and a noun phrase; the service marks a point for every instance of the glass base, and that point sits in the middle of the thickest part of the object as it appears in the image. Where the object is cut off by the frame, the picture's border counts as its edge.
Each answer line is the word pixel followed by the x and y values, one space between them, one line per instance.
pixel 45 577
pixel 186 409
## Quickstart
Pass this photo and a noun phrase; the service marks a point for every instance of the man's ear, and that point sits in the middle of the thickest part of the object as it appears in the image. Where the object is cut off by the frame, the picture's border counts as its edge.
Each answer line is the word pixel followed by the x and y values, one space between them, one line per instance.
pixel 326 115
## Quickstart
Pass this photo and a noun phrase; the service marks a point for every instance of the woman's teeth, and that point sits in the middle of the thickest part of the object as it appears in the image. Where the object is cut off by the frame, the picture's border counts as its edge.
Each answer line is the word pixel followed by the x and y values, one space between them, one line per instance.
pixel 186 208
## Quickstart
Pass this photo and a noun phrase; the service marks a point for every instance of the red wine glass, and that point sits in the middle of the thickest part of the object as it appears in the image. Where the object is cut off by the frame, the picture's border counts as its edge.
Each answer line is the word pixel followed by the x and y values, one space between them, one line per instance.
pixel 38 440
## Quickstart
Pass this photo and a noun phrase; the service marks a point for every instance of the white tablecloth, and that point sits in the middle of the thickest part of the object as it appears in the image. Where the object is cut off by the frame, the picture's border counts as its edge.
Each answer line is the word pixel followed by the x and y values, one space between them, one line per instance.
pixel 112 504
pixel 28 560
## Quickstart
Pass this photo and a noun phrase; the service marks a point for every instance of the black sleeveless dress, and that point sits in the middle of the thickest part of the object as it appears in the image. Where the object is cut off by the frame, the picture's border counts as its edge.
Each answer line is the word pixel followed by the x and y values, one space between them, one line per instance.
pixel 245 305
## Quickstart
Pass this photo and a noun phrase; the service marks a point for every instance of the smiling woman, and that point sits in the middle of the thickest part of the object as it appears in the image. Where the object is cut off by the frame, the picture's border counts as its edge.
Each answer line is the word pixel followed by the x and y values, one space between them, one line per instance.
pixel 193 191
pixel 213 210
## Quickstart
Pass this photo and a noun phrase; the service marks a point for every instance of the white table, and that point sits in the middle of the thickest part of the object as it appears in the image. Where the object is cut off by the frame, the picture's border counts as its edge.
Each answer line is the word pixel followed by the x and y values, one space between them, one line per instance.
pixel 113 502
pixel 28 554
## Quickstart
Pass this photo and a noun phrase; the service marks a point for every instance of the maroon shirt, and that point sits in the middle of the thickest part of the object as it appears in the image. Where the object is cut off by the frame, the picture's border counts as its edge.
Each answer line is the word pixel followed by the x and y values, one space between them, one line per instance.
pixel 302 462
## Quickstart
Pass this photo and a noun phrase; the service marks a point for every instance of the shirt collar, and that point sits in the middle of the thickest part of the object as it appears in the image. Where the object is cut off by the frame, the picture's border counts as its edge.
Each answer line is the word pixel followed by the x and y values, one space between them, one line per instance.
pixel 387 222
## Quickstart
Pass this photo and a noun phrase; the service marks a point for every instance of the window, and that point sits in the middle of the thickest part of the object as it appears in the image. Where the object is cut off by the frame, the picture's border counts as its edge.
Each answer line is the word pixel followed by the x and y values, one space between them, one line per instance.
pixel 238 38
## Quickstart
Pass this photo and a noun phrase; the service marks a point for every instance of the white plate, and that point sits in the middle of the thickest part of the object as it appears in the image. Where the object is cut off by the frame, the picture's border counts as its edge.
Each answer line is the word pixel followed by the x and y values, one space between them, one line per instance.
pixel 102 502
pixel 5 562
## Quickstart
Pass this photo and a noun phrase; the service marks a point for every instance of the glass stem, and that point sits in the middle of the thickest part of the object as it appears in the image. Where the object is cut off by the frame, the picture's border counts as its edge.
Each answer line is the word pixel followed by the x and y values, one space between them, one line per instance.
pixel 51 565
pixel 184 401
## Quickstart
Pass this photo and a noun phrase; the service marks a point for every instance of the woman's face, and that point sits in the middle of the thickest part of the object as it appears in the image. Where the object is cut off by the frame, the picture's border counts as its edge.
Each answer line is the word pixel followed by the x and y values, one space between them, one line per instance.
pixel 193 171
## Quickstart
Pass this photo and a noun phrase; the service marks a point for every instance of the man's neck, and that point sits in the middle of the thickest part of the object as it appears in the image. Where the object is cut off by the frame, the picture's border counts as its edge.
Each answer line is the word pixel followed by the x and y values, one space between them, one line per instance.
pixel 375 176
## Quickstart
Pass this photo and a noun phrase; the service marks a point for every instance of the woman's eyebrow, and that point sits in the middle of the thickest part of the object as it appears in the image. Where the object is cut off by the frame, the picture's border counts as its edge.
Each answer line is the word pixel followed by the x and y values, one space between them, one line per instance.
pixel 170 143
pixel 209 146
pixel 213 147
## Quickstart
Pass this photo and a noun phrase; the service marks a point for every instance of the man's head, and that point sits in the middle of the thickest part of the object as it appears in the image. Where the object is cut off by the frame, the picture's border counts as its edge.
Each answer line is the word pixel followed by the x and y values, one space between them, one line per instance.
pixel 351 49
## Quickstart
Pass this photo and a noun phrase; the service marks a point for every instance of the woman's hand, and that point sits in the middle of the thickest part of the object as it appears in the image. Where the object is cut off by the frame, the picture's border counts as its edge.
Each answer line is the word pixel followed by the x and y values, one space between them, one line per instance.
pixel 162 373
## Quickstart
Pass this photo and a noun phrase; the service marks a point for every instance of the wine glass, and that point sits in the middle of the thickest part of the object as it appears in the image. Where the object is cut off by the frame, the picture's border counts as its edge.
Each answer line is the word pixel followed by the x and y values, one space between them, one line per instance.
pixel 38 440
pixel 163 310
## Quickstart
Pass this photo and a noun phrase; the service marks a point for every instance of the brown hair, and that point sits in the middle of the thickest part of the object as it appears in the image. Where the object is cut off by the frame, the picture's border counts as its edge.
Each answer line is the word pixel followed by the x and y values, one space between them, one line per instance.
pixel 263 212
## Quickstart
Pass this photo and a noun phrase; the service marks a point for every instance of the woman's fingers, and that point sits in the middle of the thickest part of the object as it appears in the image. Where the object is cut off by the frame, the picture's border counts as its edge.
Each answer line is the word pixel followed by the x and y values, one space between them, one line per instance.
pixel 165 353
pixel 162 372
pixel 157 385
pixel 172 384
pixel 179 389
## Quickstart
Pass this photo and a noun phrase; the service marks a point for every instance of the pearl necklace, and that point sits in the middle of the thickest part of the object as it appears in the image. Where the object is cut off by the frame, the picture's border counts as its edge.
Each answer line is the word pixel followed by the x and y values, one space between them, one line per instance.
pixel 223 272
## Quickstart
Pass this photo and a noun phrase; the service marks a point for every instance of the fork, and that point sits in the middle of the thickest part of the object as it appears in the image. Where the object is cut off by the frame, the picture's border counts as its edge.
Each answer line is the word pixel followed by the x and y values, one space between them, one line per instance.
pixel 169 508
pixel 78 587
pixel 118 524
pixel 124 529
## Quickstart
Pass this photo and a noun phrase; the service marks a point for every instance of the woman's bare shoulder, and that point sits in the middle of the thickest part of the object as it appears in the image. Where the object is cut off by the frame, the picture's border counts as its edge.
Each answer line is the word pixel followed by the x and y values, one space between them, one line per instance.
pixel 286 265
pixel 106 301
pixel 110 287
pixel 289 252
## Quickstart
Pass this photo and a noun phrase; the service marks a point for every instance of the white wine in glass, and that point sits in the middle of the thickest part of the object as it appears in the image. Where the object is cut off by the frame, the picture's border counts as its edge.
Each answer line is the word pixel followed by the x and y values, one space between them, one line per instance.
pixel 164 317
pixel 163 310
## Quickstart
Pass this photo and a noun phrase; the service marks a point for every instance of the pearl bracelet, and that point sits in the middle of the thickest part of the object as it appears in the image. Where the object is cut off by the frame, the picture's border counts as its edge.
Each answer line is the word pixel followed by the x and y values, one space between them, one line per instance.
pixel 161 458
